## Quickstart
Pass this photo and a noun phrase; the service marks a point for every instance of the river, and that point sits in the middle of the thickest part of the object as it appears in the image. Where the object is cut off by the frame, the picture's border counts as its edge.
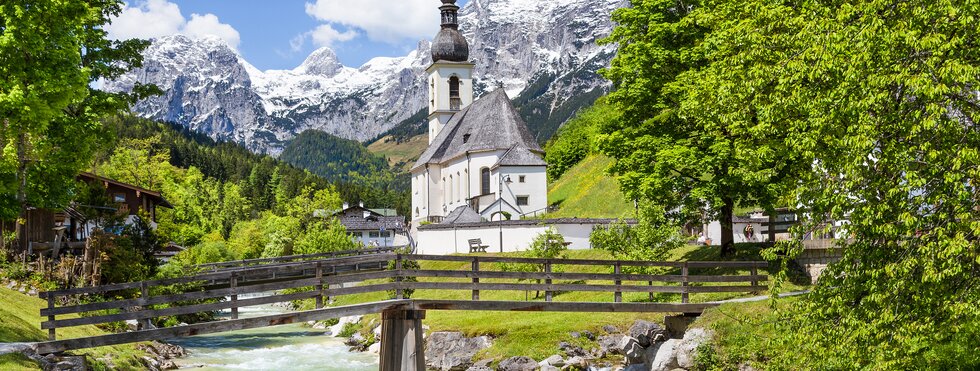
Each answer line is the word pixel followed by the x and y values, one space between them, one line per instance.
pixel 280 348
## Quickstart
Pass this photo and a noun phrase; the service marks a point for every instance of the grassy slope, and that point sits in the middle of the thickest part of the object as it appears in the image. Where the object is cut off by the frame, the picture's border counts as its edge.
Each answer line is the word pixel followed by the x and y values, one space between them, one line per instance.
pixel 537 334
pixel 586 191
pixel 20 322
pixel 400 156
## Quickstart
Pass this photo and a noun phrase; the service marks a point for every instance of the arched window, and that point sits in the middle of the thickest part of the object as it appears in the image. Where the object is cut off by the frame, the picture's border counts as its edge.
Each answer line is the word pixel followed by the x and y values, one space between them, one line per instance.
pixel 455 102
pixel 459 187
pixel 484 181
pixel 452 190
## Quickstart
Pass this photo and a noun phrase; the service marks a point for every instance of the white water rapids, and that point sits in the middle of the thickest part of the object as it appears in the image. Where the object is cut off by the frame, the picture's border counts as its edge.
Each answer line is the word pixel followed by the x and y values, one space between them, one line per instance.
pixel 279 348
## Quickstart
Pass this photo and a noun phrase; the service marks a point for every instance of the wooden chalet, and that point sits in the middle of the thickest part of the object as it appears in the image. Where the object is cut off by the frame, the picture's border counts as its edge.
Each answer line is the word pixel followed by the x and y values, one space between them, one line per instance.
pixel 53 228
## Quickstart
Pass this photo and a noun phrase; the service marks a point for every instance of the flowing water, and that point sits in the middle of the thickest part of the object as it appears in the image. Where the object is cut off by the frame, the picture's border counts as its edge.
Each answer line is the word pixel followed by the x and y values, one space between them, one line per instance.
pixel 280 348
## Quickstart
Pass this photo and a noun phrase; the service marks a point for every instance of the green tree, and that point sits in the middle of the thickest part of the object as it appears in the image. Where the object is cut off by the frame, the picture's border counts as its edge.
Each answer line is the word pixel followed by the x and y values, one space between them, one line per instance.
pixel 323 237
pixel 690 138
pixel 51 51
pixel 652 238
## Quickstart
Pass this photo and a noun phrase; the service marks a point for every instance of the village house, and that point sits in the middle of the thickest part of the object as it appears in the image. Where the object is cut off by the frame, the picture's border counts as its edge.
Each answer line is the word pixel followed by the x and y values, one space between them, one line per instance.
pixel 374 227
pixel 48 229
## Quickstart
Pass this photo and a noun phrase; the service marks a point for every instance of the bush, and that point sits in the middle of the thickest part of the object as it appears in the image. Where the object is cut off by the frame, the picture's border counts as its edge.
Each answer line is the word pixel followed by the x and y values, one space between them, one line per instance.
pixel 325 236
pixel 652 238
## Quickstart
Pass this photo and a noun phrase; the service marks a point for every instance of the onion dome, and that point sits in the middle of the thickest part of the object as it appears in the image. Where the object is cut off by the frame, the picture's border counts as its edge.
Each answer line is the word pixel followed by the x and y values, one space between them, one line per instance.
pixel 449 44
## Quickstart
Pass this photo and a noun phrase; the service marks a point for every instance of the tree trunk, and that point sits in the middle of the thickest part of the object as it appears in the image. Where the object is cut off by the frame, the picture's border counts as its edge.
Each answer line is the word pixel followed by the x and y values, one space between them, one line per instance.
pixel 727 230
pixel 22 190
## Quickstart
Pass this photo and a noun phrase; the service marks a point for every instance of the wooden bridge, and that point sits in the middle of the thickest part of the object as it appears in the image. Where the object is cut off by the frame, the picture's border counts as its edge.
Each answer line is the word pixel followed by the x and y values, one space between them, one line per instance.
pixel 378 271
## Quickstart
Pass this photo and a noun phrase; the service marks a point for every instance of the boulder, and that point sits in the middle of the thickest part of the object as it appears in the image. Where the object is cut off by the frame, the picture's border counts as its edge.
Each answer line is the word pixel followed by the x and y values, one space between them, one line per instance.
pixel 571 350
pixel 554 360
pixel 631 349
pixel 375 348
pixel 647 332
pixel 549 368
pixel 687 349
pixel 452 351
pixel 666 356
pixel 518 364
pixel 576 363
pixel 610 329
pixel 336 329
pixel 611 343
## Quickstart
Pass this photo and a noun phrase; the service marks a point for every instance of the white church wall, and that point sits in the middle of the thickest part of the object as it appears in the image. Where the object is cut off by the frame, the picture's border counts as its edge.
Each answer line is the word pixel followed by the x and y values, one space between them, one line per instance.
pixel 534 187
pixel 516 237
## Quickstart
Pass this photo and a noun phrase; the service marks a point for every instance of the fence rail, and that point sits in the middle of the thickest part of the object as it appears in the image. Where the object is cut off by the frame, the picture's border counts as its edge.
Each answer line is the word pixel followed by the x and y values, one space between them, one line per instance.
pixel 324 279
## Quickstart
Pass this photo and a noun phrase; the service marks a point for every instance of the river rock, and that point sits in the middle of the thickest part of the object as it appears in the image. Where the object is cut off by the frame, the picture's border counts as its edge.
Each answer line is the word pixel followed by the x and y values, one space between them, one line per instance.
pixel 549 368
pixel 518 364
pixel 554 360
pixel 571 350
pixel 448 351
pixel 647 332
pixel 611 343
pixel 666 355
pixel 336 329
pixel 375 348
pixel 576 363
pixel 687 349
pixel 610 329
pixel 631 350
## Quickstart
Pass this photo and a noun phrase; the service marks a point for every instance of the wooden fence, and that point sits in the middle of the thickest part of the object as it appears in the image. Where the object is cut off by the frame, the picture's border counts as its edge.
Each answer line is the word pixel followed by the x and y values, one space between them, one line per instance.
pixel 396 274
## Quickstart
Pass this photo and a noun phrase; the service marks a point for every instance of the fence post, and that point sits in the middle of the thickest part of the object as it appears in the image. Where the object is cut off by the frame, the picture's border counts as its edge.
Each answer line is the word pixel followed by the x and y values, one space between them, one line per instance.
pixel 684 294
pixel 547 281
pixel 144 296
pixel 319 285
pixel 233 283
pixel 755 272
pixel 400 292
pixel 51 333
pixel 650 283
pixel 619 294
pixel 476 278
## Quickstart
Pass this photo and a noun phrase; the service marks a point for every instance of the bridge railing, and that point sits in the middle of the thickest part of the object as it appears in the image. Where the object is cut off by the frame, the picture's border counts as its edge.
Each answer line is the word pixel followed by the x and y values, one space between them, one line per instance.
pixel 400 276
pixel 293 258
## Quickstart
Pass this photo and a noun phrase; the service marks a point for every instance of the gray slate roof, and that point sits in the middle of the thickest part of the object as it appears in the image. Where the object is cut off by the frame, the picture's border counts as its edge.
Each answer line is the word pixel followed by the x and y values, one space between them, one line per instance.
pixel 462 214
pixel 373 223
pixel 520 156
pixel 490 123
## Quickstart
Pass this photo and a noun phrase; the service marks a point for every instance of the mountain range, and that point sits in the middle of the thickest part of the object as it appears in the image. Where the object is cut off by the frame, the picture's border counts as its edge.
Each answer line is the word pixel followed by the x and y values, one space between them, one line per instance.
pixel 544 53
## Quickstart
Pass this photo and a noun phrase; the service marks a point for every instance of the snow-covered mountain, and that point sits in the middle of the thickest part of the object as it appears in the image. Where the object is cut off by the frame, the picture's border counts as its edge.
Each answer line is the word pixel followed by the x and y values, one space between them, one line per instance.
pixel 543 53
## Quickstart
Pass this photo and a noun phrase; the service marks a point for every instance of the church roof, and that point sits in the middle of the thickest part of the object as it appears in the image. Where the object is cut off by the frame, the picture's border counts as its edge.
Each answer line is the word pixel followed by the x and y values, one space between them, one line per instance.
pixel 462 214
pixel 519 156
pixel 490 123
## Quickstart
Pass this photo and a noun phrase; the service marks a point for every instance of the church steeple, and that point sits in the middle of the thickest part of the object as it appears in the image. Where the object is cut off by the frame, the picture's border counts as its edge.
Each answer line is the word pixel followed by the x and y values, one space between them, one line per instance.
pixel 451 74
pixel 450 45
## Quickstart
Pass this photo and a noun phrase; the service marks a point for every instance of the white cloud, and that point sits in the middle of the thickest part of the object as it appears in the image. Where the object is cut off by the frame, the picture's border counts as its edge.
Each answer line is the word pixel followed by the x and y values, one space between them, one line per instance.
pixel 326 35
pixel 209 25
pixel 390 21
pixel 157 18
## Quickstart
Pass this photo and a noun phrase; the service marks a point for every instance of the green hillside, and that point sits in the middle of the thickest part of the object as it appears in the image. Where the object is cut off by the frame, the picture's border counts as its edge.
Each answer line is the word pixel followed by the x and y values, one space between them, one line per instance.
pixel 20 320
pixel 400 152
pixel 586 191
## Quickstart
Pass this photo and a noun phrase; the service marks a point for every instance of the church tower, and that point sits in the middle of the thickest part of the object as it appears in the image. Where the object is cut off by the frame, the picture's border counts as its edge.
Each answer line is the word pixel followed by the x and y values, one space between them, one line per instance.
pixel 450 75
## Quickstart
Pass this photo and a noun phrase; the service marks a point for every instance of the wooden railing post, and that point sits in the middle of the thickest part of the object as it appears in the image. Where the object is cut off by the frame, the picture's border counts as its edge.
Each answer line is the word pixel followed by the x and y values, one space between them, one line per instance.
pixel 755 272
pixel 400 293
pixel 476 278
pixel 333 272
pixel 319 285
pixel 619 294
pixel 684 294
pixel 51 333
pixel 233 283
pixel 144 295
pixel 547 281
pixel 650 283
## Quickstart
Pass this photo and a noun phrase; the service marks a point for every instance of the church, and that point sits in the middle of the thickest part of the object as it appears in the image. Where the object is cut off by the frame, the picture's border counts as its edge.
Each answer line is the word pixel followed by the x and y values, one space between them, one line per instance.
pixel 482 160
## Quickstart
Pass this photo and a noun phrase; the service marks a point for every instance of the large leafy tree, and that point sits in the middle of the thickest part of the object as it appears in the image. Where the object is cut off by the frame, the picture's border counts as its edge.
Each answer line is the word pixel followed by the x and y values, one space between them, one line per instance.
pixel 690 137
pixel 51 53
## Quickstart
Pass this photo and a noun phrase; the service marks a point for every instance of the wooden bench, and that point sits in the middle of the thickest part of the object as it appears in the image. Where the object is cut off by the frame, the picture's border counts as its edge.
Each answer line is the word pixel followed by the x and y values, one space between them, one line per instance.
pixel 476 245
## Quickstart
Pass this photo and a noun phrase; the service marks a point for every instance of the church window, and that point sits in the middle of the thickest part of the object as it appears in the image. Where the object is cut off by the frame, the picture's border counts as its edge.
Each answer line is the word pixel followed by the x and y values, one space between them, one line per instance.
pixel 455 102
pixel 485 181
pixel 522 200
pixel 416 211
pixel 459 187
pixel 452 189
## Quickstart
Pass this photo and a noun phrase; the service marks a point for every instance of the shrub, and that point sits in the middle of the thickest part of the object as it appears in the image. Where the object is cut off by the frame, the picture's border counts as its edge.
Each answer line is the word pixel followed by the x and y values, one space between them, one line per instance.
pixel 652 238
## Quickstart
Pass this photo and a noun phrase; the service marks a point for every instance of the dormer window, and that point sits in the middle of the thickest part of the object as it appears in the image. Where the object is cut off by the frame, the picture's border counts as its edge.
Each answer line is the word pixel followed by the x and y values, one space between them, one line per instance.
pixel 466 138
pixel 454 101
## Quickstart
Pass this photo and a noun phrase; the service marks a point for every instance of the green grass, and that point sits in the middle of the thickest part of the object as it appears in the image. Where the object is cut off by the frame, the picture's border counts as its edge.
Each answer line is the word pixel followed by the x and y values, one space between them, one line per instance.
pixel 20 321
pixel 586 191
pixel 400 155
pixel 17 362
pixel 537 334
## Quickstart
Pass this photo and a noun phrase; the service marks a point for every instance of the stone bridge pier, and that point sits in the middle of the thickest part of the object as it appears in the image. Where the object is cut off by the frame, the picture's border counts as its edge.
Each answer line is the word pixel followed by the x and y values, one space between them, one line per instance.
pixel 401 340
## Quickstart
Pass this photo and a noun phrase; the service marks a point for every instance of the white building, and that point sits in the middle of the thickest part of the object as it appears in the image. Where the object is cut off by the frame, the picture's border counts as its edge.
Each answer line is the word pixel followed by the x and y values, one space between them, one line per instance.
pixel 481 154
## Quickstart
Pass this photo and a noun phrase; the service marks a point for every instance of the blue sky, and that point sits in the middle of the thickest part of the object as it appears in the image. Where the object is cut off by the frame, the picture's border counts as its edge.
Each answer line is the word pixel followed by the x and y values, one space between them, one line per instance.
pixel 280 34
